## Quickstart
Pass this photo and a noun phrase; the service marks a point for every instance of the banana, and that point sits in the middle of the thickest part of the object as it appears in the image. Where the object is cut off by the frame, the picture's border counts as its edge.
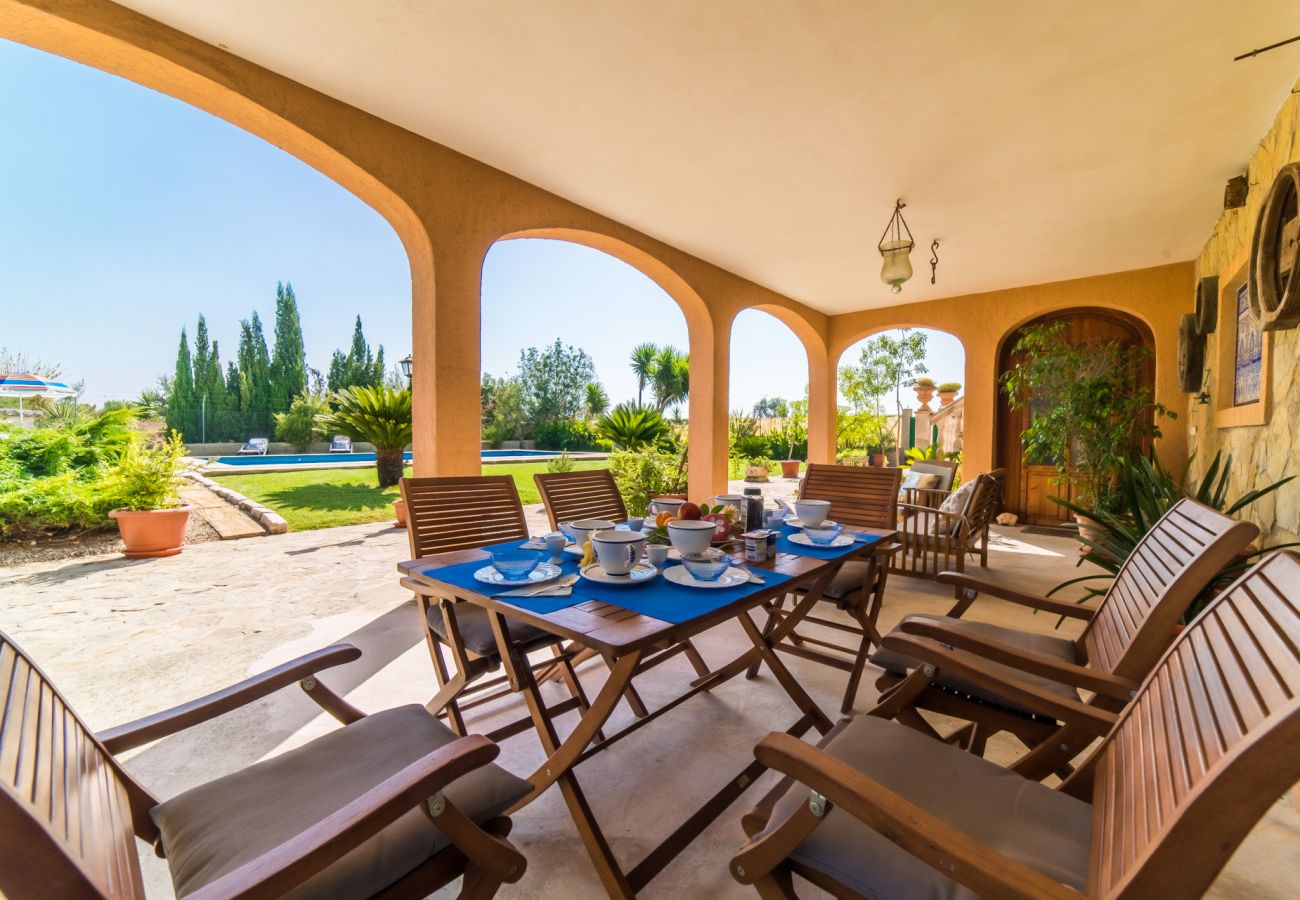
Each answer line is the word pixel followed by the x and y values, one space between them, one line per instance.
pixel 588 555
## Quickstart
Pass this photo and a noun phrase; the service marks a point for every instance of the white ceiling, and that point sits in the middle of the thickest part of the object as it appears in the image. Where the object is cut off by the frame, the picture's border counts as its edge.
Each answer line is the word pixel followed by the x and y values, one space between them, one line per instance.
pixel 1037 139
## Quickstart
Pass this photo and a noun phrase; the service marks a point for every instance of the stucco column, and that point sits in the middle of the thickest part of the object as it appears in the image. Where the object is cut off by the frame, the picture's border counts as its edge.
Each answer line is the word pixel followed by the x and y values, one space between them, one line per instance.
pixel 707 451
pixel 445 351
pixel 822 389
pixel 980 409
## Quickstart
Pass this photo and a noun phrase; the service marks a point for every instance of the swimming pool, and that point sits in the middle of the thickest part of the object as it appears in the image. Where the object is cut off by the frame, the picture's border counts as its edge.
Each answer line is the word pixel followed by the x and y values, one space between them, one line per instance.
pixel 291 459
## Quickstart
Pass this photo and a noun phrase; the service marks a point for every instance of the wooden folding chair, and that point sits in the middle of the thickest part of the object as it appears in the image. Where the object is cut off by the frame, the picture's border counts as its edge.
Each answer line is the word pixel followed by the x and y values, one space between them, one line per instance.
pixel 1207 745
pixel 861 497
pixel 391 804
pixel 1026 683
pixel 593 494
pixel 938 532
pixel 464 513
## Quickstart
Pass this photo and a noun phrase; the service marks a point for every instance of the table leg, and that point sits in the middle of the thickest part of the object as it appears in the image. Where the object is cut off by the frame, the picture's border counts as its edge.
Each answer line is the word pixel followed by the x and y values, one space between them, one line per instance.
pixel 766 649
pixel 561 757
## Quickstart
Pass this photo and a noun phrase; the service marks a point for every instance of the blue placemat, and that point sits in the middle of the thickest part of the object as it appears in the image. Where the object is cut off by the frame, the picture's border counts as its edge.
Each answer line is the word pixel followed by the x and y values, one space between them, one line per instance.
pixel 659 597
pixel 785 545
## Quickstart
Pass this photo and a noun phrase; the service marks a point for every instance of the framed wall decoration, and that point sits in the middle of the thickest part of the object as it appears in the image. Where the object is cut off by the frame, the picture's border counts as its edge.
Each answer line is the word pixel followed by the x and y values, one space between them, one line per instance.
pixel 1248 356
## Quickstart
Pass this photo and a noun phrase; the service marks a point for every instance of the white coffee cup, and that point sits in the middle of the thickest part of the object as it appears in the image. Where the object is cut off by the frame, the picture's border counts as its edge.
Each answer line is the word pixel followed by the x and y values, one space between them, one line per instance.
pixel 812 512
pixel 665 505
pixel 581 530
pixel 618 551
pixel 691 535
pixel 555 542
pixel 656 555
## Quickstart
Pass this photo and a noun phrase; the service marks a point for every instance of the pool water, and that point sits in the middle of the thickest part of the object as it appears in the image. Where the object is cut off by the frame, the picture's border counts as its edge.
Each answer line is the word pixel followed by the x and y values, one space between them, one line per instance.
pixel 291 459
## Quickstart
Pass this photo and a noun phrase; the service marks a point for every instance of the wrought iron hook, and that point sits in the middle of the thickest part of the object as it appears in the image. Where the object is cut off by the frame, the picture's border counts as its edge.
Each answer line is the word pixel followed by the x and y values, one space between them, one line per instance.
pixel 934 258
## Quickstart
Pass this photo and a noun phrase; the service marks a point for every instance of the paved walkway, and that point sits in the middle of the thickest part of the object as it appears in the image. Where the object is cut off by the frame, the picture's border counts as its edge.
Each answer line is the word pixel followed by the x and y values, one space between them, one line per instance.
pixel 124 638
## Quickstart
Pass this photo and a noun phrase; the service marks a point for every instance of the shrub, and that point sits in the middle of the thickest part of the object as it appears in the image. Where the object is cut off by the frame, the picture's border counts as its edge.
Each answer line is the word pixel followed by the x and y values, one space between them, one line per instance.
pixel 561 434
pixel 646 474
pixel 924 382
pixel 147 477
pixel 561 463
pixel 633 427
pixel 380 416
pixel 953 386
pixel 299 426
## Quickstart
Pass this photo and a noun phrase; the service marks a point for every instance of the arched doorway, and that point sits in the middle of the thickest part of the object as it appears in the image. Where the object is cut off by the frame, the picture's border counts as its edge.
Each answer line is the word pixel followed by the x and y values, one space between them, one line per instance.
pixel 1032 482
pixel 769 393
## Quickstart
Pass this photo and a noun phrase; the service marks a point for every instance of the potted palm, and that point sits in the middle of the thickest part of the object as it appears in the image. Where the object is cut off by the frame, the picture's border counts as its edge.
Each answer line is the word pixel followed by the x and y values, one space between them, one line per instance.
pixel 152 520
pixel 378 415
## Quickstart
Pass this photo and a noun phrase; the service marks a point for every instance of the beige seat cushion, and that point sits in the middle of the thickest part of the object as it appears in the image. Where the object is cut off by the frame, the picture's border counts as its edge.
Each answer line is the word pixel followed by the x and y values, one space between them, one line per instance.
pixel 1048 645
pixel 847 580
pixel 1021 819
pixel 217 827
pixel 476 630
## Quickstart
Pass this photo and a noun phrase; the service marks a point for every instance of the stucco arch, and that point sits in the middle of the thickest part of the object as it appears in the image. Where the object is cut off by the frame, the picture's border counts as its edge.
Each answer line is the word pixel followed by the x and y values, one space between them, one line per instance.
pixel 708 431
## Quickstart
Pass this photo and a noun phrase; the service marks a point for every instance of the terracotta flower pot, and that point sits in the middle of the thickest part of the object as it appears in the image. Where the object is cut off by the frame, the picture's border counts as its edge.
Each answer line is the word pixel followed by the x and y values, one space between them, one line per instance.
pixel 399 512
pixel 923 395
pixel 756 473
pixel 148 533
pixel 878 459
pixel 790 468
pixel 946 397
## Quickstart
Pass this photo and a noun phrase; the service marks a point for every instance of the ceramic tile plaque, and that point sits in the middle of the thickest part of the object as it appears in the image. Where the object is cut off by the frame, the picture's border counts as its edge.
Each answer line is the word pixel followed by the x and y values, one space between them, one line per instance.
pixel 1249 356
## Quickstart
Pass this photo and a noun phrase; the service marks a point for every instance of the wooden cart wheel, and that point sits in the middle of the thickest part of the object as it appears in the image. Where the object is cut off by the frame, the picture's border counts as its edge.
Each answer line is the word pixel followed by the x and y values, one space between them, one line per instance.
pixel 1275 255
pixel 1191 355
pixel 1207 305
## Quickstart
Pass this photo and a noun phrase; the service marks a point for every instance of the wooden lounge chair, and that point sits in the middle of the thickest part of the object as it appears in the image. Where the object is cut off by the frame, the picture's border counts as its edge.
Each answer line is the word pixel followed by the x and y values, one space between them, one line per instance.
pixel 254 447
pixel 1002 679
pixel 1207 745
pixel 341 443
pixel 938 537
pixel 594 495
pixel 464 513
pixel 391 804
pixel 862 497
pixel 944 472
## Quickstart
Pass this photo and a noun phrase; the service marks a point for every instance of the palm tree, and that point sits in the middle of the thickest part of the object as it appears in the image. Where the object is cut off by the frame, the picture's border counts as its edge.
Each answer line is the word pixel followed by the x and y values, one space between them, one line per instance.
pixel 633 427
pixel 379 416
pixel 671 379
pixel 643 364
pixel 596 401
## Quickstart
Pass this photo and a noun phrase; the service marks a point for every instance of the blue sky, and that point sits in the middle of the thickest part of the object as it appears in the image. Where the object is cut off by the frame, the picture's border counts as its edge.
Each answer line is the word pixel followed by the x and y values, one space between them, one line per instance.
pixel 125 214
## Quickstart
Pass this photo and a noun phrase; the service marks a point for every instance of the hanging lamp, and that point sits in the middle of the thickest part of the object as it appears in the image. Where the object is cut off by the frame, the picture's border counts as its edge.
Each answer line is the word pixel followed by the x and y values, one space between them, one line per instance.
pixel 895 246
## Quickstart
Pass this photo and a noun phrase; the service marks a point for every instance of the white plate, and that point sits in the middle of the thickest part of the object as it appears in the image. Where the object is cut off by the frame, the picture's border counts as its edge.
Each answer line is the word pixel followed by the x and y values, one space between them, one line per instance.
pixel 573 550
pixel 794 521
pixel 642 573
pixel 542 574
pixel 729 578
pixel 841 540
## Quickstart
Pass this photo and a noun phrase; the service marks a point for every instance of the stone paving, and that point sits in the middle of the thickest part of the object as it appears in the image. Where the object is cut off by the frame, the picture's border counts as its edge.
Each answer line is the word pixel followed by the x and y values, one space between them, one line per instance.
pixel 124 638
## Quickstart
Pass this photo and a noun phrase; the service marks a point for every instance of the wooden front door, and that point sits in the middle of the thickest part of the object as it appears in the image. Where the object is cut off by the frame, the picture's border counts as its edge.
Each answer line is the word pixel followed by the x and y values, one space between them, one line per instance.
pixel 1032 482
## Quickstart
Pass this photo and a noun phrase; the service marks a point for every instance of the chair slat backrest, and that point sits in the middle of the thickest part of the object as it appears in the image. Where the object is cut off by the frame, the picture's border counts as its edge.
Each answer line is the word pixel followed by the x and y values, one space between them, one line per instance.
pixel 1207 746
pixel 986 502
pixel 462 513
pixel 1172 563
pixel 65 813
pixel 860 496
pixel 580 495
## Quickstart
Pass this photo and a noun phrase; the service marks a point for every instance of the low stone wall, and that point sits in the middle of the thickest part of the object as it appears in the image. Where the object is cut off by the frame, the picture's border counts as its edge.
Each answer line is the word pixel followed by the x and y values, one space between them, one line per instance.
pixel 273 522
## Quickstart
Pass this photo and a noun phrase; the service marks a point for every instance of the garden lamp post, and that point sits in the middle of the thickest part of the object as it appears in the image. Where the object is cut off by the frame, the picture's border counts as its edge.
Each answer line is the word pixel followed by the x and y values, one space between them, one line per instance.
pixel 406 369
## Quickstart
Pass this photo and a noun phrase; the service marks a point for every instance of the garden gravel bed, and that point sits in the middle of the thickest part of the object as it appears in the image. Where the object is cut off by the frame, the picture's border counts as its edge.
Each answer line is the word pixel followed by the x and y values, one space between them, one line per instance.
pixel 95 543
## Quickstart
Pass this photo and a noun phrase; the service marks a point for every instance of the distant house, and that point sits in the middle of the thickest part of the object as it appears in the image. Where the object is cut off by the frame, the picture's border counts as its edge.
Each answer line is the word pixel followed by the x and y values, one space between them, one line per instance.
pixel 948 420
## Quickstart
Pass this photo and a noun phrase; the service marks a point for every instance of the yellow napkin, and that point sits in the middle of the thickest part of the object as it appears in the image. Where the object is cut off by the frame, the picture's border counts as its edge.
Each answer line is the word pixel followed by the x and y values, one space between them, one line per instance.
pixel 588 555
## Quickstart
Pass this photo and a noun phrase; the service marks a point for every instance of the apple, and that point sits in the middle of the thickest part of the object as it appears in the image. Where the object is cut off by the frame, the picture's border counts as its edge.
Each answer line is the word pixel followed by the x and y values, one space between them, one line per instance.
pixel 688 510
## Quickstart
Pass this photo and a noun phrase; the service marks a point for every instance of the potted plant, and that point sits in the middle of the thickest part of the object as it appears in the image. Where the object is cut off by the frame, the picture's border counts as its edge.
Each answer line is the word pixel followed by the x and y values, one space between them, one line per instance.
pixel 399 512
pixel 1090 412
pixel 948 392
pixel 378 415
pixel 881 442
pixel 924 388
pixel 151 520
pixel 793 432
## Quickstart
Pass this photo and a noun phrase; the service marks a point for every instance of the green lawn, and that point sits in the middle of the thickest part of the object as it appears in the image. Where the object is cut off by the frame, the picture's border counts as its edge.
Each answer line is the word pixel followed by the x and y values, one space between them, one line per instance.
pixel 326 498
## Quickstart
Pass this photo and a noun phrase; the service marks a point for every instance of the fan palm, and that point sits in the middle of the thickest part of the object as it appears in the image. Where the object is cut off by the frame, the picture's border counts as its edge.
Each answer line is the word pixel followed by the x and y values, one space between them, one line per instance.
pixel 633 427
pixel 643 365
pixel 377 415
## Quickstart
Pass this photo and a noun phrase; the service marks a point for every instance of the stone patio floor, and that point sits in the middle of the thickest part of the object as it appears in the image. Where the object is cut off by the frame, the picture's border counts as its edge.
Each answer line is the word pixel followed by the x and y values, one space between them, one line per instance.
pixel 124 638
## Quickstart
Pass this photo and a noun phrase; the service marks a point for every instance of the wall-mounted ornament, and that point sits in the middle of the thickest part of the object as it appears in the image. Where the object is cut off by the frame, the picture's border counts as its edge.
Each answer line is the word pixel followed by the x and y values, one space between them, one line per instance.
pixel 1235 191
pixel 1191 355
pixel 1275 255
pixel 1207 304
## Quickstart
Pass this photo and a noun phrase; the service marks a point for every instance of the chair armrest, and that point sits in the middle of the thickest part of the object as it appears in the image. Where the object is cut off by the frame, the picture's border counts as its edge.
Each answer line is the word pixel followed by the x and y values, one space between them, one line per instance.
pixel 1114 686
pixel 962 580
pixel 178 718
pixel 280 869
pixel 926 836
pixel 981 672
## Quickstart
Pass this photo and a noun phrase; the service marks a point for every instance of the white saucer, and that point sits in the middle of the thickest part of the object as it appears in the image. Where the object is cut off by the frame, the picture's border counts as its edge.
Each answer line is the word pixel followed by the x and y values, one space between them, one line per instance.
pixel 573 550
pixel 642 573
pixel 730 578
pixel 841 540
pixel 794 521
pixel 542 574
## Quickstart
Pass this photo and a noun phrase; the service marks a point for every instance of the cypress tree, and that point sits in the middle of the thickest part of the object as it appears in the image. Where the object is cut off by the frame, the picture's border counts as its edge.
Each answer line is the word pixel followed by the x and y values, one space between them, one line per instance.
pixel 180 404
pixel 254 375
pixel 288 359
